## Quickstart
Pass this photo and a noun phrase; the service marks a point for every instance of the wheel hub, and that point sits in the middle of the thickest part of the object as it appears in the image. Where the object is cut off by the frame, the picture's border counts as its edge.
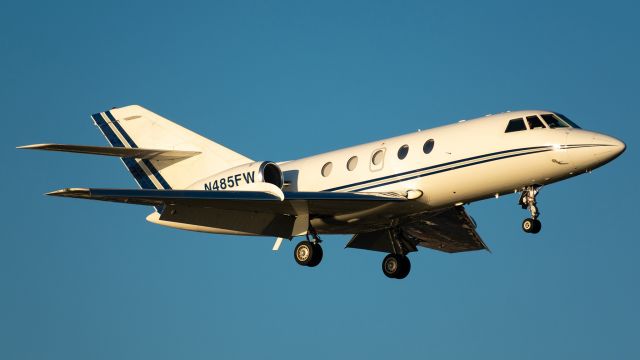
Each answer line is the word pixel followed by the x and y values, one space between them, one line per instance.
pixel 391 265
pixel 303 253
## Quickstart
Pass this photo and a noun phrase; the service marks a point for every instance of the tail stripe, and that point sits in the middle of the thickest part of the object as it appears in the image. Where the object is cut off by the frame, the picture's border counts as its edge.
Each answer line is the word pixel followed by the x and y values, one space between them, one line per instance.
pixel 132 144
pixel 134 168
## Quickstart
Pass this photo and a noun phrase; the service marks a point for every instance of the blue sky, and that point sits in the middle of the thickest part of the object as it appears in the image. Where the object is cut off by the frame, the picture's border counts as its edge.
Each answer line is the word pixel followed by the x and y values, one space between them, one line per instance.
pixel 279 80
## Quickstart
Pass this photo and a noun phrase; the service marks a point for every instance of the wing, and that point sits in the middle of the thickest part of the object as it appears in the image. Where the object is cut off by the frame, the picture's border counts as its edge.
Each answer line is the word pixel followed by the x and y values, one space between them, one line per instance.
pixel 325 203
pixel 239 212
pixel 137 153
pixel 451 231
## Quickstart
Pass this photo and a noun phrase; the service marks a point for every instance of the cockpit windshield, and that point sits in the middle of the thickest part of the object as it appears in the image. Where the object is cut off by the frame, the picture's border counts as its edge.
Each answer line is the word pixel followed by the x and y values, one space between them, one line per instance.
pixel 541 121
pixel 558 121
pixel 554 121
pixel 566 119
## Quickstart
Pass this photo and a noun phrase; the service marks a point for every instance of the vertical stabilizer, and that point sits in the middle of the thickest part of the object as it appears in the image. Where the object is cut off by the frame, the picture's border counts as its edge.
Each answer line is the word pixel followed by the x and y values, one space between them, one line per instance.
pixel 136 127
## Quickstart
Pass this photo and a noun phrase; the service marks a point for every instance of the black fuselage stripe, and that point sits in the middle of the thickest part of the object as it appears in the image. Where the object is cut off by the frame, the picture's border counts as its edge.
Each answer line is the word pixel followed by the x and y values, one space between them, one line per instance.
pixel 399 177
pixel 436 166
pixel 449 169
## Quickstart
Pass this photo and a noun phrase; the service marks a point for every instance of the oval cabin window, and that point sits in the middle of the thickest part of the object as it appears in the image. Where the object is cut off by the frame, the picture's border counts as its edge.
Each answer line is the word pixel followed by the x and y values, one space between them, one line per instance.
pixel 376 159
pixel 403 151
pixel 326 169
pixel 352 163
pixel 428 146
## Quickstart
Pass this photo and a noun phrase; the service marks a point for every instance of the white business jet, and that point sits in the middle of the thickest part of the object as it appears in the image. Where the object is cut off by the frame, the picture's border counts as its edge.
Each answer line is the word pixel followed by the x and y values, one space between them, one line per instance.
pixel 392 195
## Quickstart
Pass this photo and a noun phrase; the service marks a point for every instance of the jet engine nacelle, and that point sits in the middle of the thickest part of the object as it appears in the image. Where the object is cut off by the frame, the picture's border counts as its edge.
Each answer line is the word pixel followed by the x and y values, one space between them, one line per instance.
pixel 243 177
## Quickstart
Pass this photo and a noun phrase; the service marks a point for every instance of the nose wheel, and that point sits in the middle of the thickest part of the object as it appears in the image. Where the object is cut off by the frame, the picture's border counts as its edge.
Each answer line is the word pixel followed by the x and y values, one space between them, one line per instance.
pixel 531 226
pixel 528 201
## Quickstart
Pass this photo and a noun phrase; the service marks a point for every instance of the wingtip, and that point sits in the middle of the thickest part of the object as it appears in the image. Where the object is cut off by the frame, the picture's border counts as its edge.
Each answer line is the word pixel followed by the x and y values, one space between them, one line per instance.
pixel 56 192
pixel 33 146
pixel 68 192
pixel 27 146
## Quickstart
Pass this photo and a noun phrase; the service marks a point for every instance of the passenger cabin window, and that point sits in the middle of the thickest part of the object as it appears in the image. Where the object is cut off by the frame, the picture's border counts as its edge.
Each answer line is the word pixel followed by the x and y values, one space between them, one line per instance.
pixel 428 146
pixel 553 121
pixel 516 125
pixel 403 151
pixel 376 159
pixel 326 169
pixel 352 163
pixel 535 122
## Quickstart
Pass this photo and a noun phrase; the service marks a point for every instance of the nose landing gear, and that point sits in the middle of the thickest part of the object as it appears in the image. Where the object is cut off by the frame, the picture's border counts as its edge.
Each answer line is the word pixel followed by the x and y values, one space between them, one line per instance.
pixel 528 201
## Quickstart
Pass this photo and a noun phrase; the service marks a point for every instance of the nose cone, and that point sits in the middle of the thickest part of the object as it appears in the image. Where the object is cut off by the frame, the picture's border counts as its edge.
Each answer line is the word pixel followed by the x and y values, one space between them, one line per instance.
pixel 609 149
pixel 588 150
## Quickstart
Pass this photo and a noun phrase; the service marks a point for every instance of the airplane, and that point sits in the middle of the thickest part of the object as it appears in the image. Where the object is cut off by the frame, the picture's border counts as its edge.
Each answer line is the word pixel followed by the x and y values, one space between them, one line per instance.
pixel 391 195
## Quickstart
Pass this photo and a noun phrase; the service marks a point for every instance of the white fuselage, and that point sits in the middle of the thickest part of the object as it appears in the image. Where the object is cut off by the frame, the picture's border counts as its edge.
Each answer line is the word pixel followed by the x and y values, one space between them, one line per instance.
pixel 442 167
pixel 469 161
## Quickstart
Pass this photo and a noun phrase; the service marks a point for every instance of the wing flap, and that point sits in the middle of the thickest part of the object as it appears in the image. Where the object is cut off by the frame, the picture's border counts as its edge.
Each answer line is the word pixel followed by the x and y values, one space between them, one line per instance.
pixel 138 153
pixel 450 231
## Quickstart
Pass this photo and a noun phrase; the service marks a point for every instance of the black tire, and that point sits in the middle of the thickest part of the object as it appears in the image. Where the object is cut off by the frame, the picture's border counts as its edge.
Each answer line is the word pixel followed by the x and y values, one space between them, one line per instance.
pixel 316 256
pixel 394 266
pixel 405 267
pixel 303 253
pixel 537 226
pixel 528 225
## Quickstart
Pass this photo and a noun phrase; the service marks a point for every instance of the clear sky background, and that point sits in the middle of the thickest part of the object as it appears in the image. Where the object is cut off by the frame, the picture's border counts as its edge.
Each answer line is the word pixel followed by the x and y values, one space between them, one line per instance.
pixel 278 80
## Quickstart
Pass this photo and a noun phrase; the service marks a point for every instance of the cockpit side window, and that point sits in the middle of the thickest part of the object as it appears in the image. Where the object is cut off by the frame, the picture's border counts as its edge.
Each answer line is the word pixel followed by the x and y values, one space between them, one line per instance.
pixel 554 121
pixel 566 119
pixel 535 122
pixel 515 125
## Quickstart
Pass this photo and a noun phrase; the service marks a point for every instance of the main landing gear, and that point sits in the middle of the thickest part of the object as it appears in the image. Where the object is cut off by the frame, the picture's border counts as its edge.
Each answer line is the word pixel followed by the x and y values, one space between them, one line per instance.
pixel 528 201
pixel 396 265
pixel 309 252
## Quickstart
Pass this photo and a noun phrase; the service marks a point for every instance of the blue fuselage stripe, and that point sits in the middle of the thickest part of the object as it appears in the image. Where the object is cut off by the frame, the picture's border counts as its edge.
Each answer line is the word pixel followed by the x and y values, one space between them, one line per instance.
pixel 133 167
pixel 148 163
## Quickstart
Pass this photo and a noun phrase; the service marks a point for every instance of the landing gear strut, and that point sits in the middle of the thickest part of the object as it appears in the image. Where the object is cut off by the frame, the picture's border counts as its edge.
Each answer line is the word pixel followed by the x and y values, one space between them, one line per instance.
pixel 528 201
pixel 309 252
pixel 396 265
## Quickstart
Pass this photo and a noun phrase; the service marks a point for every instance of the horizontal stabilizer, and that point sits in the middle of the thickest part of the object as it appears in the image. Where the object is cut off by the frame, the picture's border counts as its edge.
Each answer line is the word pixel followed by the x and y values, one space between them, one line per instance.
pixel 122 152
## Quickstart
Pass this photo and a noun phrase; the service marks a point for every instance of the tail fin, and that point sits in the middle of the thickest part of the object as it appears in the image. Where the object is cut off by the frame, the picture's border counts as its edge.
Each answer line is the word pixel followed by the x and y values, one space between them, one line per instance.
pixel 136 127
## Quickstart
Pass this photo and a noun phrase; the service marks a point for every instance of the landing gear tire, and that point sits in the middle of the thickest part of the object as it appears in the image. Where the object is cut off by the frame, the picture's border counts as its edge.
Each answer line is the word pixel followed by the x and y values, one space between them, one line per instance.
pixel 307 253
pixel 396 266
pixel 532 226
pixel 316 256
